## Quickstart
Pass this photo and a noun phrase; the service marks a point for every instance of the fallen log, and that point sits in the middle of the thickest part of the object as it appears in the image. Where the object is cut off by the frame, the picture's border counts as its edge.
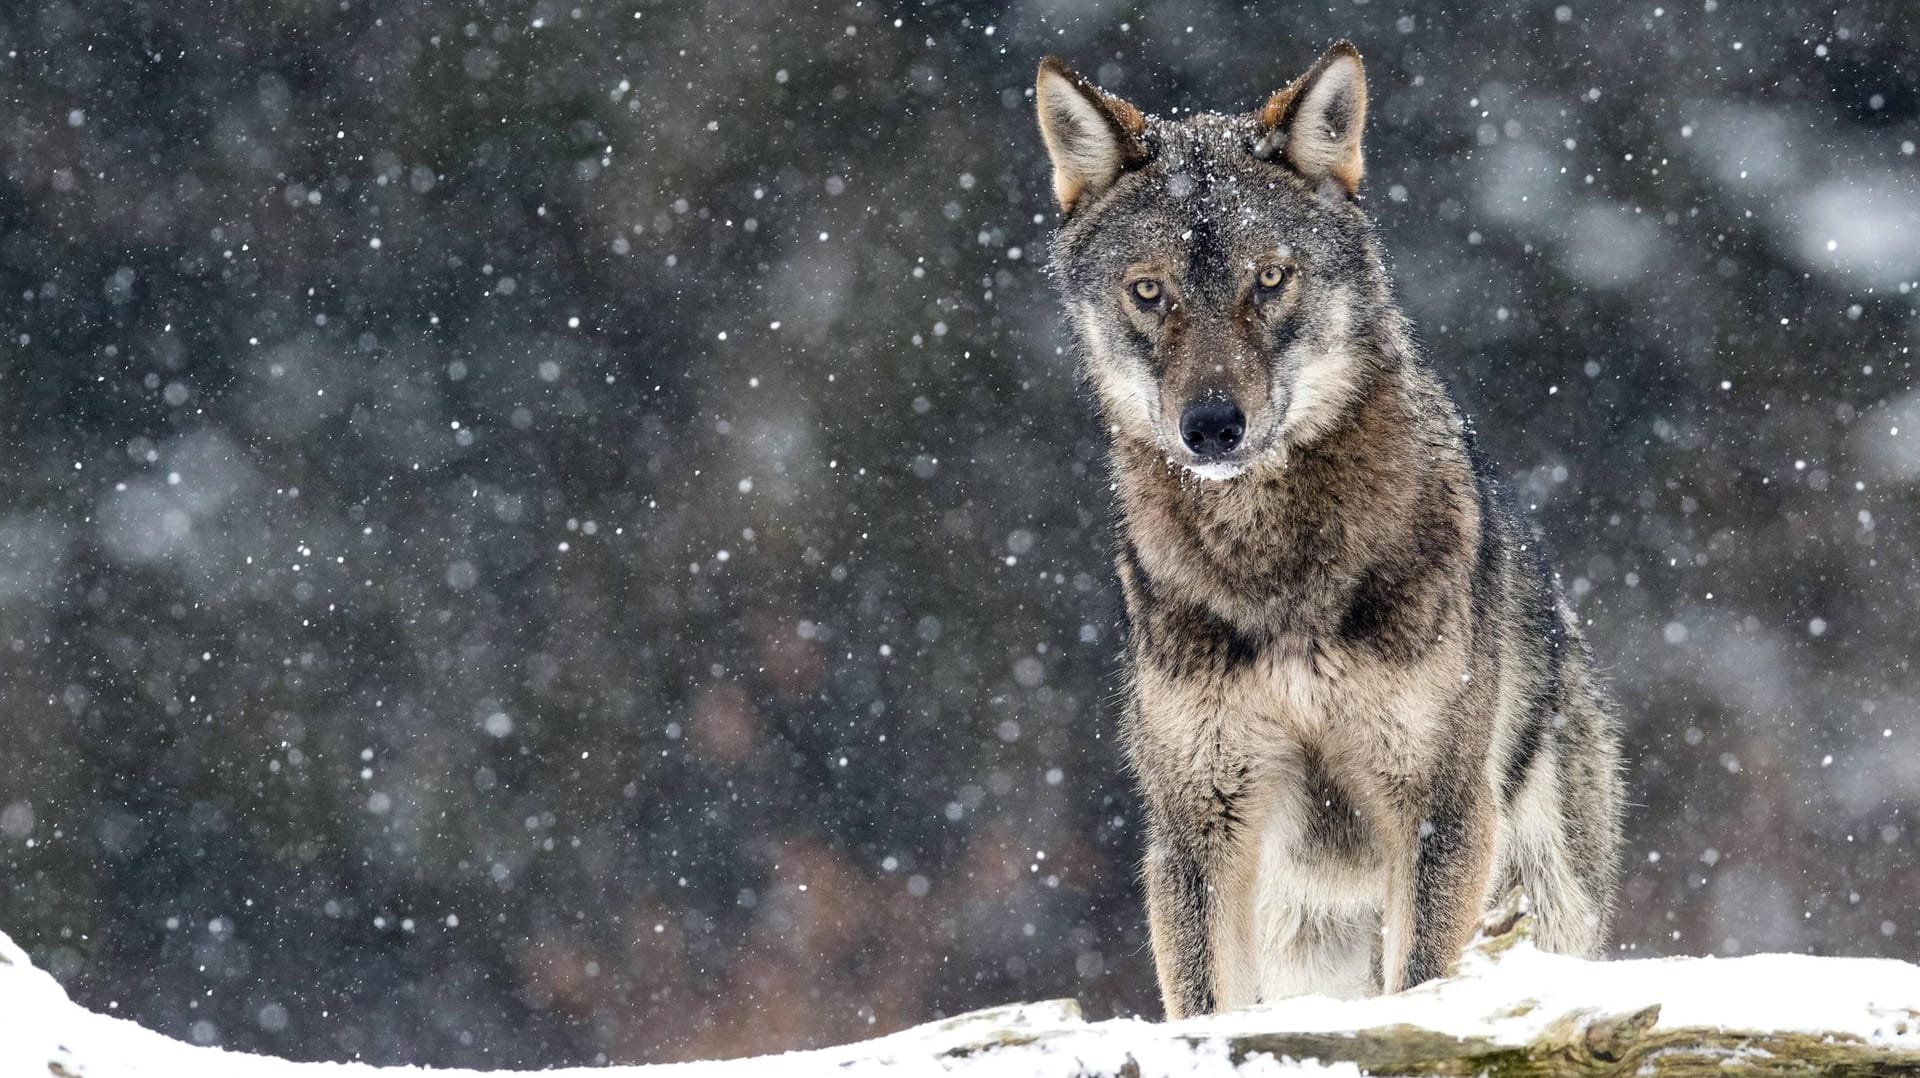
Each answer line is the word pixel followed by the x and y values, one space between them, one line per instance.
pixel 1508 1010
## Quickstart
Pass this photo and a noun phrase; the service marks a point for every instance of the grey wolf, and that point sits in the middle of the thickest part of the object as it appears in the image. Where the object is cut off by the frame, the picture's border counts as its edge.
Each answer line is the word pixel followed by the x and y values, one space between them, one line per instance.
pixel 1358 706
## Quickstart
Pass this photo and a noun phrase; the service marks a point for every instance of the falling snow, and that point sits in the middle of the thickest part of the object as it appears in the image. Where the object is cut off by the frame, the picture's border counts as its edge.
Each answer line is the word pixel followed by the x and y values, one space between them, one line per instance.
pixel 540 534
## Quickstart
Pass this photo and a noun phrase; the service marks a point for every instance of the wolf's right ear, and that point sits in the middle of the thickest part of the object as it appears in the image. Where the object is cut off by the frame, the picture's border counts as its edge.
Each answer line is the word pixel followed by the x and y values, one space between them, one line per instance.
pixel 1091 135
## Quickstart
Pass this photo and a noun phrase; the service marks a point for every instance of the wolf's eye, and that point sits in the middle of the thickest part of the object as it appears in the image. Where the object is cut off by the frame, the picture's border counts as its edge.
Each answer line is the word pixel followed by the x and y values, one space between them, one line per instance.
pixel 1272 277
pixel 1146 290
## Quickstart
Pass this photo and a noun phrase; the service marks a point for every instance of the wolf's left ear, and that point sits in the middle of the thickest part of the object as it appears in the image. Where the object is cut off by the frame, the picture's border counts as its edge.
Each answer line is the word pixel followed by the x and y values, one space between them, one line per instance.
pixel 1091 135
pixel 1314 124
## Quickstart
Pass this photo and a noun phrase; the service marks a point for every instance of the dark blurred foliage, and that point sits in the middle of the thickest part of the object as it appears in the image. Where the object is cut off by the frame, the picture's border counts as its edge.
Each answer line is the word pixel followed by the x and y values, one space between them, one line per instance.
pixel 538 533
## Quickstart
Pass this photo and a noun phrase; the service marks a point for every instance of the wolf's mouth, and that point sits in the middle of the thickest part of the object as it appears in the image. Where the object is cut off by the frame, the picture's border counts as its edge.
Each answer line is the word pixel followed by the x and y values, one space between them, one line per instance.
pixel 1223 468
pixel 1217 471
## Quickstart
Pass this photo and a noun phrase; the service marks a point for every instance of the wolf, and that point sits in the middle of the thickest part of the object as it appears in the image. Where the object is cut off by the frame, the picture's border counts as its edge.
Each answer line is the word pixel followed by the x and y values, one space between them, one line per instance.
pixel 1357 704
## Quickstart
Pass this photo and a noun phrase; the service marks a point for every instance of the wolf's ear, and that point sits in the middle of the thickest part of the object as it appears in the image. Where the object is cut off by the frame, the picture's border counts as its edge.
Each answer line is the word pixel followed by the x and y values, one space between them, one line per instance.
pixel 1314 125
pixel 1091 135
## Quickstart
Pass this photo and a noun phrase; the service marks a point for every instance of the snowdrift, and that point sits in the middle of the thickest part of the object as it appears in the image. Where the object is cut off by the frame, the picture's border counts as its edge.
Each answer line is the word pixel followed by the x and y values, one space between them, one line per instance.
pixel 1510 1010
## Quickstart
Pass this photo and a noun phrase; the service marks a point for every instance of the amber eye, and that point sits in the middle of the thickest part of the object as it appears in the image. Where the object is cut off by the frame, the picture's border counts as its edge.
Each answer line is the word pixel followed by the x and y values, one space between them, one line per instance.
pixel 1272 277
pixel 1146 290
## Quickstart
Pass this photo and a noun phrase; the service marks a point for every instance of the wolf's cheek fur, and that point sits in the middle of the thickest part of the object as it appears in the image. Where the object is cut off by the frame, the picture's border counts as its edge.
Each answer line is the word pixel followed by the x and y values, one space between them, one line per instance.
pixel 1127 390
pixel 1322 372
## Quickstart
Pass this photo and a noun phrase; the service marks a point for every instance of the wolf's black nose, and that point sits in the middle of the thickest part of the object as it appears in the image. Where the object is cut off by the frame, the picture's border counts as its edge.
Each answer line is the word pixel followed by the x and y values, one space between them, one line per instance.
pixel 1212 426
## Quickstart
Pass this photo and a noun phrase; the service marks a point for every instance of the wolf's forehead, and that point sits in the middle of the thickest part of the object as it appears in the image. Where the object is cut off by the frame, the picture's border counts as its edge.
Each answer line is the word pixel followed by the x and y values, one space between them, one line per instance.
pixel 1203 132
pixel 1204 208
pixel 1210 204
pixel 1208 171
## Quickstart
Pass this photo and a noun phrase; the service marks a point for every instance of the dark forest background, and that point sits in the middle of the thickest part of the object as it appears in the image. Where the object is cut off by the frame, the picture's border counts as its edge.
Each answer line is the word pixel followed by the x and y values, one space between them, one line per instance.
pixel 535 533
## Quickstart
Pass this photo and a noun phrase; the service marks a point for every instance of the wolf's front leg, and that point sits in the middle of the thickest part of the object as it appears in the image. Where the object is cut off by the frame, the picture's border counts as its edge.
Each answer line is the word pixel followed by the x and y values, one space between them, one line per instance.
pixel 1439 880
pixel 1196 901
pixel 1180 912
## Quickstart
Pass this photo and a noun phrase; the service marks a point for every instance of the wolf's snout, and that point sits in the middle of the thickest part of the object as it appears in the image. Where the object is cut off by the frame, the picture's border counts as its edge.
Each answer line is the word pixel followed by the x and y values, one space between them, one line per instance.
pixel 1212 427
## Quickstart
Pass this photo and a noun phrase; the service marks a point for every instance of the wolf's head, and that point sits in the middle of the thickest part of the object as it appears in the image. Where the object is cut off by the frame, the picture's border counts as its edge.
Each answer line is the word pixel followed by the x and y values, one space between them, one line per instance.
pixel 1222 278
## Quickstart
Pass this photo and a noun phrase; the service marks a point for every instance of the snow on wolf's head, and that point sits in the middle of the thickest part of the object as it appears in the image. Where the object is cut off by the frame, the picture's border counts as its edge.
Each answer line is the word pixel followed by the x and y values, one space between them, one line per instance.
pixel 1223 280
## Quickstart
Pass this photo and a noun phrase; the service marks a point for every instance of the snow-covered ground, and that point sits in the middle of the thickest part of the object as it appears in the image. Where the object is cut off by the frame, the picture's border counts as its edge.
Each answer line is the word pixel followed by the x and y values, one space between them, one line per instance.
pixel 1506 995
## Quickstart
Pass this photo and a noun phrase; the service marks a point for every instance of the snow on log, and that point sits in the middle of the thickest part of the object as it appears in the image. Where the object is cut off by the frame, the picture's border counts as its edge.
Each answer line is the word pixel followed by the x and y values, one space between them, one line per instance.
pixel 1509 1010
